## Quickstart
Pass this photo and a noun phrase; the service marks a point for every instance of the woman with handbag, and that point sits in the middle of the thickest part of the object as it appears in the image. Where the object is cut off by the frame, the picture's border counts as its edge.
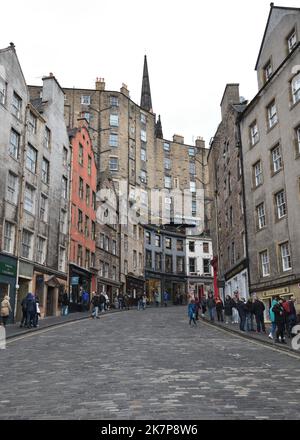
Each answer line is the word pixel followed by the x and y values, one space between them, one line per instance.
pixel 5 309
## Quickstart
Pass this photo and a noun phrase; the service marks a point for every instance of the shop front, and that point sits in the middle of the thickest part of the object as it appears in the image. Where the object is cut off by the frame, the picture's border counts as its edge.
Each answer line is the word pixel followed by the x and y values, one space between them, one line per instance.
pixel 8 273
pixel 110 287
pixel 176 288
pixel 134 287
pixel 25 283
pixel 286 293
pixel 152 285
pixel 237 279
pixel 80 281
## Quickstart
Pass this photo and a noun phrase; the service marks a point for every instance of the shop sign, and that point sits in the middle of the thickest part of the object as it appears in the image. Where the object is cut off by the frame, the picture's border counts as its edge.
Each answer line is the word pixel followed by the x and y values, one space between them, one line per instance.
pixel 275 292
pixel 7 269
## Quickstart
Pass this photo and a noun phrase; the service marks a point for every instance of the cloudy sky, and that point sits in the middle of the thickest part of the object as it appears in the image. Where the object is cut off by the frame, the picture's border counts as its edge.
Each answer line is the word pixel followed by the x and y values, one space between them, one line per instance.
pixel 194 48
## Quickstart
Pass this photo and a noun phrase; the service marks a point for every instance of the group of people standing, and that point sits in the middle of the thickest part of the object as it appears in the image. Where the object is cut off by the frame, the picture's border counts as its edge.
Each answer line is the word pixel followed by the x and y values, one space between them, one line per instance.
pixel 237 310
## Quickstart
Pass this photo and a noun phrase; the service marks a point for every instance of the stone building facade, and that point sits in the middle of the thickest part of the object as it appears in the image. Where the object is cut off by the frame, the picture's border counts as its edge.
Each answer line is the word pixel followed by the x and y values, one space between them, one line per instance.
pixel 82 252
pixel 270 133
pixel 34 188
pixel 227 223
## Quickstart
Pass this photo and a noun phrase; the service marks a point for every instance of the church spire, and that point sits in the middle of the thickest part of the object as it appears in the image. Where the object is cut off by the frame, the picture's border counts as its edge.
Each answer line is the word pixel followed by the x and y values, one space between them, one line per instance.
pixel 158 129
pixel 146 102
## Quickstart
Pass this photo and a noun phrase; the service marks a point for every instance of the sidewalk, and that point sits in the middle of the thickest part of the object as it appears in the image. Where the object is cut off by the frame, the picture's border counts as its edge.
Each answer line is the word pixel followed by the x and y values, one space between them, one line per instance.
pixel 13 330
pixel 253 335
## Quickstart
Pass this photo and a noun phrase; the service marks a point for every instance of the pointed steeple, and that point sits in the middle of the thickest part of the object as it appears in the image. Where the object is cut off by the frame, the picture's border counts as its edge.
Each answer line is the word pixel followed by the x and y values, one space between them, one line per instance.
pixel 158 129
pixel 146 102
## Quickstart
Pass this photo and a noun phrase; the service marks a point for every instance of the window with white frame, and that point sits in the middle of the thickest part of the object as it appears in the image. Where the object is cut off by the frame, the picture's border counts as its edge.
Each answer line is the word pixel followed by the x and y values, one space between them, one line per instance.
pixel 87 116
pixel 272 114
pixel 143 118
pixel 192 168
pixel 194 208
pixel 47 138
pixel 286 263
pixel 280 204
pixel 134 259
pixel 31 158
pixel 12 188
pixel 32 123
pixel 85 99
pixel 114 101
pixel 63 221
pixel 114 120
pixel 43 208
pixel 168 182
pixel 79 255
pixel 14 144
pixel 193 186
pixel 113 140
pixel 143 176
pixel 261 216
pixel 143 135
pixel 80 188
pixel 264 263
pixel 298 140
pixel 65 156
pixel 41 250
pixel 296 88
pixel 206 266
pixel 3 91
pixel 16 106
pixel 254 134
pixel 167 163
pixel 45 170
pixel 191 151
pixel 166 146
pixel 89 165
pixel 268 70
pixel 9 237
pixel 258 174
pixel 80 154
pixel 87 259
pixel 93 233
pixel 62 259
pixel 27 237
pixel 276 159
pixel 64 188
pixel 113 164
pixel 143 155
pixel 29 199
pixel 114 273
pixel 292 40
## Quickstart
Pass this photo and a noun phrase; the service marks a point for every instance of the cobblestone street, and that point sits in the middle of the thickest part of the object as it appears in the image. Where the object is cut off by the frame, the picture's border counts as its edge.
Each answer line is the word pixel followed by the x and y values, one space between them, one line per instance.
pixel 145 365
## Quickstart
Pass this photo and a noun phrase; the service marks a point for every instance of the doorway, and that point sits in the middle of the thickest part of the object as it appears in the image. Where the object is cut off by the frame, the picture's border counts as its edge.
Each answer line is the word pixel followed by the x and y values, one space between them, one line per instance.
pixel 50 301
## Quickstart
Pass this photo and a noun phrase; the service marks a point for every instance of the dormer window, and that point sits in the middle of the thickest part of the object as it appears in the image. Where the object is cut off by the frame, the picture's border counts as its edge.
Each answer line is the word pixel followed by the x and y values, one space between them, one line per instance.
pixel 292 40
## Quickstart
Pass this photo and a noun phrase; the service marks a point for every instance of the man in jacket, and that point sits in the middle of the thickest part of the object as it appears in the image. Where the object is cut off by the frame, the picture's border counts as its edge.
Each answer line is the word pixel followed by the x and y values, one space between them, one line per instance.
pixel 241 308
pixel 96 303
pixel 219 308
pixel 64 304
pixel 249 315
pixel 279 320
pixel 258 309
pixel 211 305
pixel 30 310
pixel 101 302
pixel 24 313
pixel 85 301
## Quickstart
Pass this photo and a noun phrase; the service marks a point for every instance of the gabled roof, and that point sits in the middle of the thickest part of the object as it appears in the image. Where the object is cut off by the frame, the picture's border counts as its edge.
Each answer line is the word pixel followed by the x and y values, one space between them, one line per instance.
pixel 275 18
pixel 11 48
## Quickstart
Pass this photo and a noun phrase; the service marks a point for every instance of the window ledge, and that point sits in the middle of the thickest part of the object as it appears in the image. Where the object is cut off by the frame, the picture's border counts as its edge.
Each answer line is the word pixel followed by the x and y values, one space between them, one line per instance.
pixel 273 173
pixel 269 129
pixel 294 104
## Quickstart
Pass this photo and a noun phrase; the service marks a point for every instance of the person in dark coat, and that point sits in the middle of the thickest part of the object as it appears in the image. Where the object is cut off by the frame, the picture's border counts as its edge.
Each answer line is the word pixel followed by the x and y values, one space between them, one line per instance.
pixel 279 320
pixel 64 304
pixel 219 309
pixel 85 301
pixel 211 304
pixel 242 310
pixel 102 302
pixel 228 309
pixel 249 315
pixel 24 313
pixel 96 303
pixel 258 310
pixel 292 316
pixel 203 306
pixel 192 313
pixel 30 310
pixel 197 303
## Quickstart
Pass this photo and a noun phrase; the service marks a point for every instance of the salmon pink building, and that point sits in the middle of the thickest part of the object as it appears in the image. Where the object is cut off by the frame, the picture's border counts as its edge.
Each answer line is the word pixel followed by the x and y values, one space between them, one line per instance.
pixel 82 272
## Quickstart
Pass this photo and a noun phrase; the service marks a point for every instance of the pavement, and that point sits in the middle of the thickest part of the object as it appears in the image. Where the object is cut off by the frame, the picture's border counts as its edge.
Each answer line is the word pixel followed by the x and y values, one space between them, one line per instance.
pixel 146 365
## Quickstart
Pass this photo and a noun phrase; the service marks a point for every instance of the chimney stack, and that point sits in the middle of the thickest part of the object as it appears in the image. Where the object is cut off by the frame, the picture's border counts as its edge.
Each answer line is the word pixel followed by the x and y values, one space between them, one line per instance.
pixel 231 96
pixel 200 142
pixel 100 84
pixel 178 139
pixel 124 90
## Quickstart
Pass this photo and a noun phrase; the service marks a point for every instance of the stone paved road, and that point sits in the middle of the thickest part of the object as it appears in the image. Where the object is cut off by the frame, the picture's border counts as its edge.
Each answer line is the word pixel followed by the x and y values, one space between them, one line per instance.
pixel 145 365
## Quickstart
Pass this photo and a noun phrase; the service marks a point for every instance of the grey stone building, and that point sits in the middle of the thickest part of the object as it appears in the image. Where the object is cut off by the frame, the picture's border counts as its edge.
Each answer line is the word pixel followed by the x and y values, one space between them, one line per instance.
pixel 227 222
pixel 34 194
pixel 270 133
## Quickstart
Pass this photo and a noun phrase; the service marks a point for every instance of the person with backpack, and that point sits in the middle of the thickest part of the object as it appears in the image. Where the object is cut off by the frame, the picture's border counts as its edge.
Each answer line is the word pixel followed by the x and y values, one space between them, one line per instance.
pixel 258 310
pixel 279 320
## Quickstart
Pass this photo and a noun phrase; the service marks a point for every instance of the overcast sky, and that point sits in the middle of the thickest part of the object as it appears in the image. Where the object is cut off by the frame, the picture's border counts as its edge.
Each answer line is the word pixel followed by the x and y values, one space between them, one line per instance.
pixel 193 47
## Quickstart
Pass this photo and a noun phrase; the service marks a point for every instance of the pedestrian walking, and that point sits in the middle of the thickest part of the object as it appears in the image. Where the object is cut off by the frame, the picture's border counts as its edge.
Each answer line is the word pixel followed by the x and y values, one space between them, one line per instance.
pixel 292 316
pixel 258 310
pixel 96 304
pixel 85 301
pixel 140 302
pixel 272 319
pixel 198 307
pixel 235 312
pixel 192 313
pixel 106 305
pixel 228 309
pixel 241 308
pixel 65 304
pixel 144 301
pixel 166 298
pixel 211 304
pixel 219 309
pixel 101 302
pixel 37 313
pixel 126 301
pixel 5 309
pixel 30 309
pixel 279 320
